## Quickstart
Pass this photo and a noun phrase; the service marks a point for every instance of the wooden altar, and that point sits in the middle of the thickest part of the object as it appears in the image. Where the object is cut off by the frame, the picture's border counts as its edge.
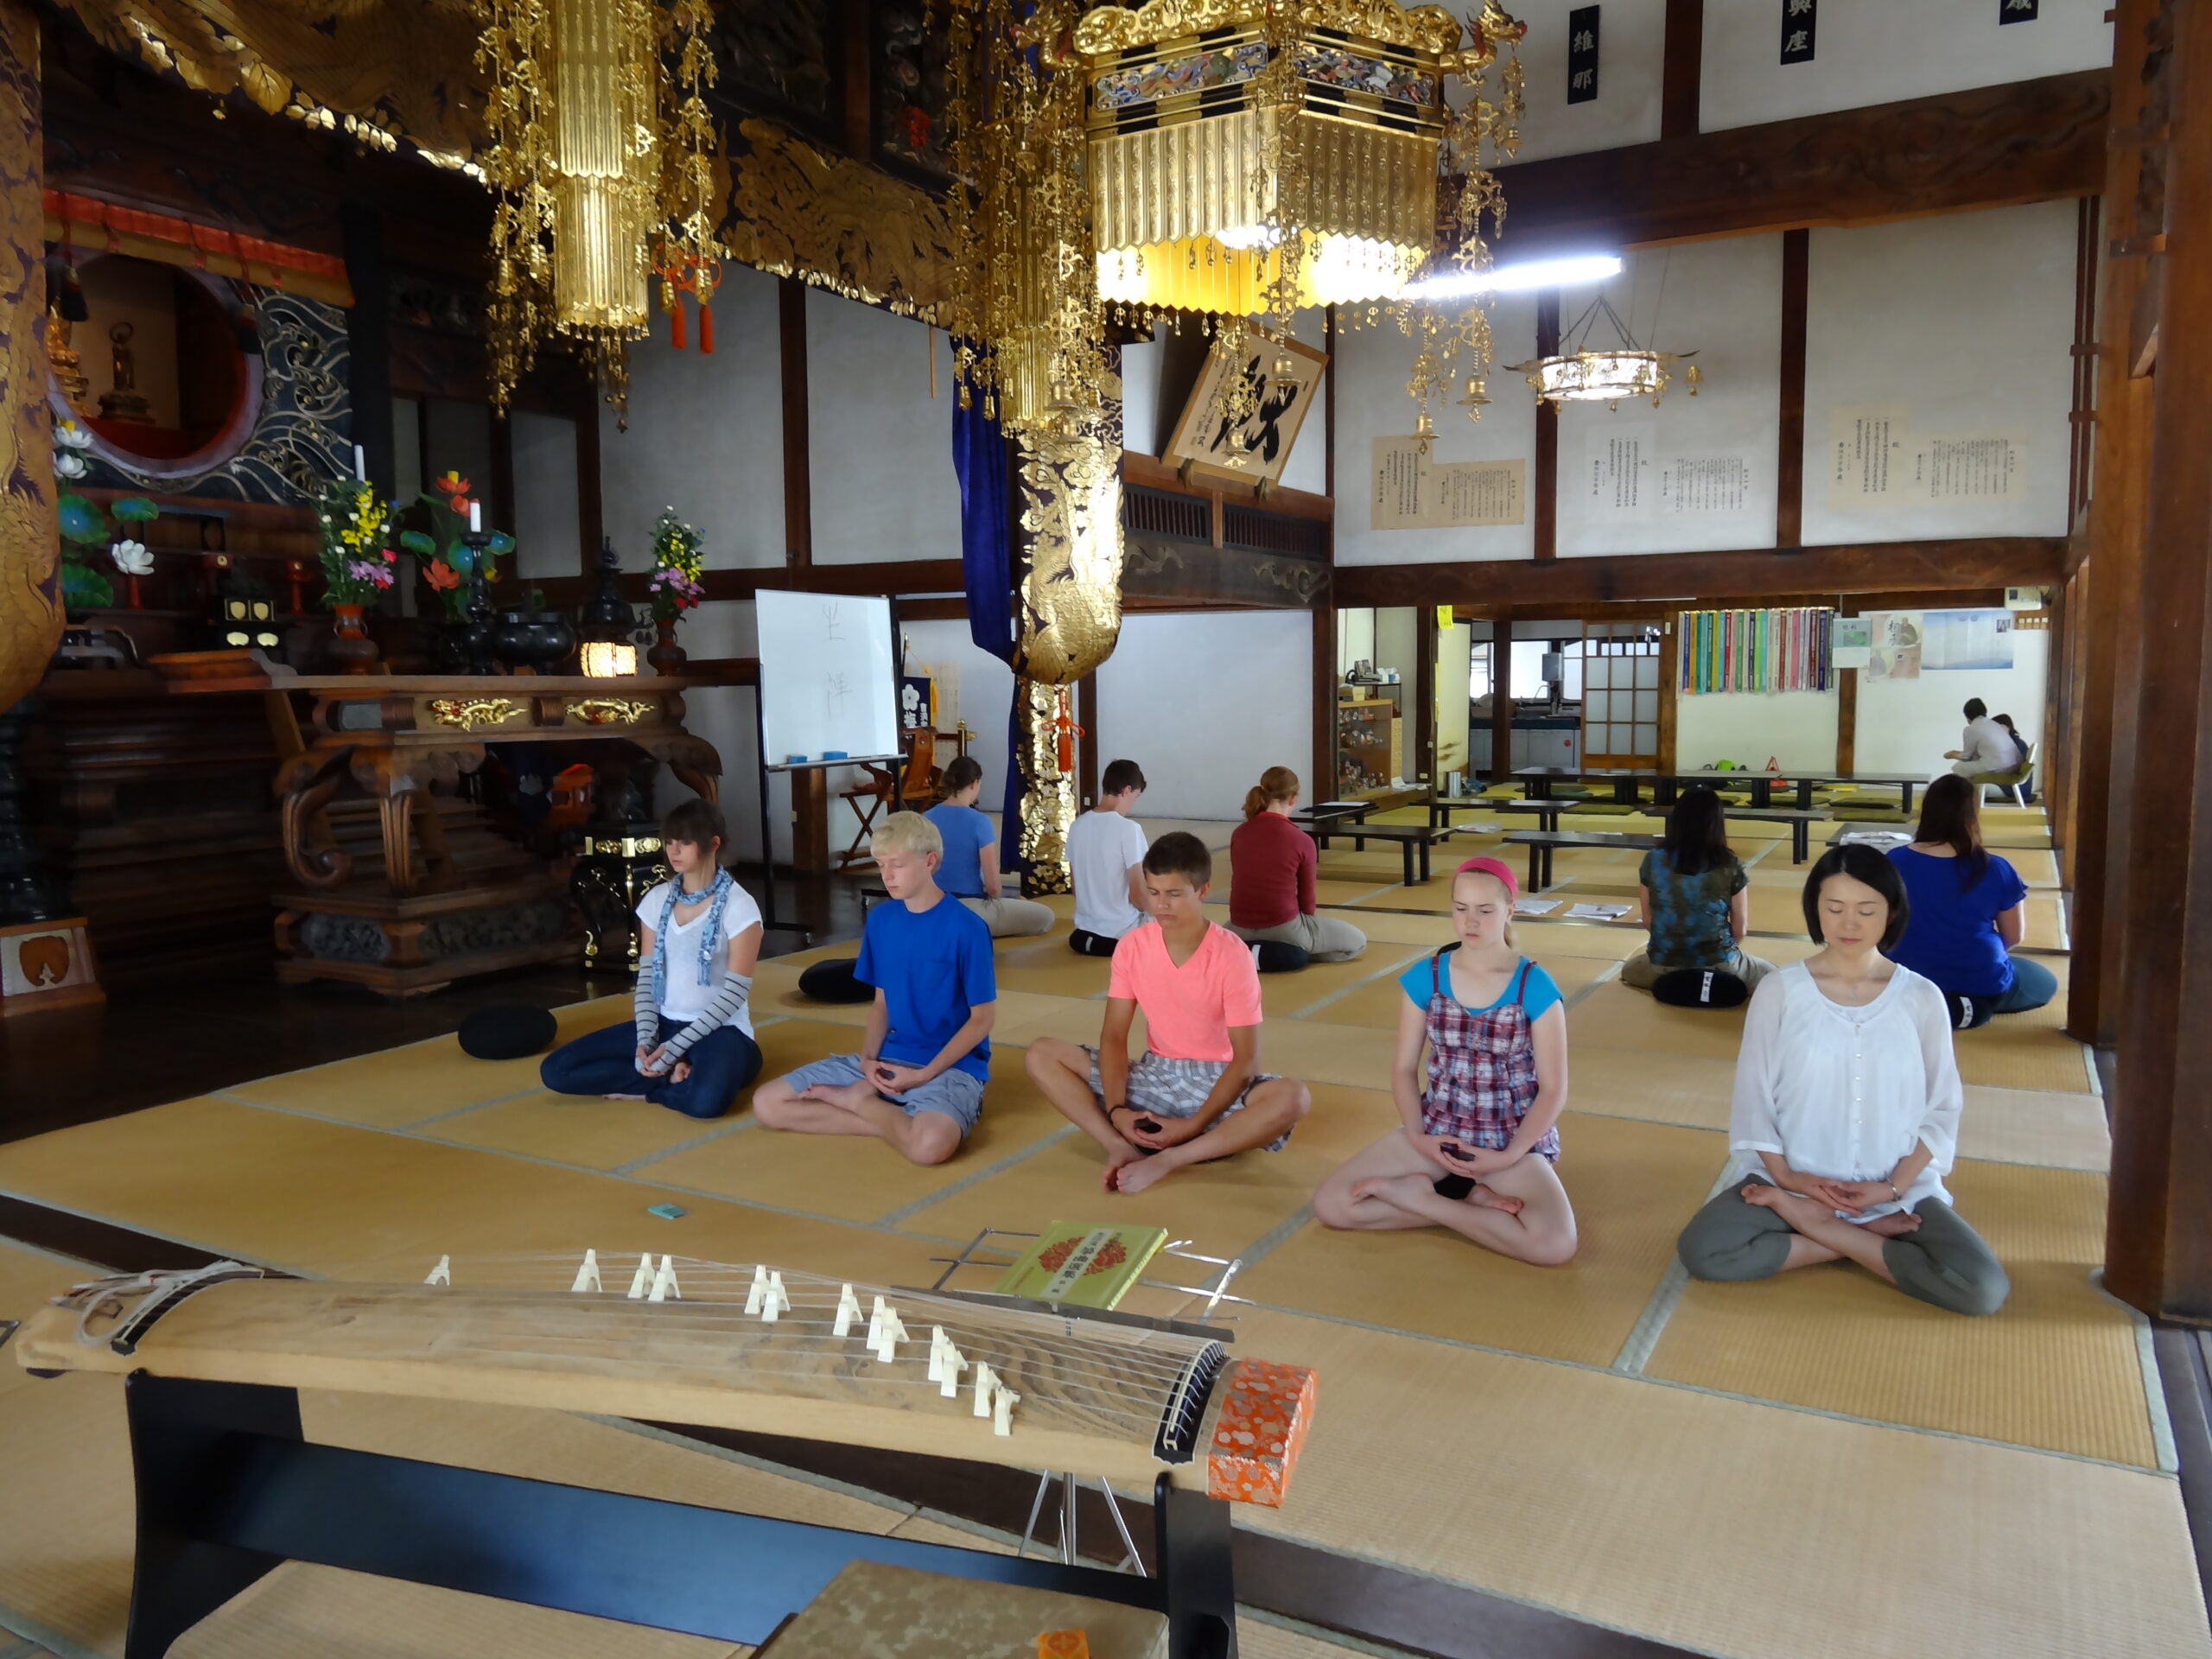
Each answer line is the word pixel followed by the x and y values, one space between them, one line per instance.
pixel 421 889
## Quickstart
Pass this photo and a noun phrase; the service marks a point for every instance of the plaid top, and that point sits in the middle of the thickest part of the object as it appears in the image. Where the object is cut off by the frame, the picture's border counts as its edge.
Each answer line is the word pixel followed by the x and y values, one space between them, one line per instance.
pixel 1482 1065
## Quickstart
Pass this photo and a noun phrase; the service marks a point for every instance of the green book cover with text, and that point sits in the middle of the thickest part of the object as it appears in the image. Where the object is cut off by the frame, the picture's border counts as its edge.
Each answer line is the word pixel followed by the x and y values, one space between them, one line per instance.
pixel 1092 1266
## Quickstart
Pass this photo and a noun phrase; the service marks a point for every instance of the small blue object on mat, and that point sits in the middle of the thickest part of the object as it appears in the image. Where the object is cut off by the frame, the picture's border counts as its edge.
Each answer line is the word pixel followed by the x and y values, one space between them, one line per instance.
pixel 667 1211
pixel 834 754
pixel 794 760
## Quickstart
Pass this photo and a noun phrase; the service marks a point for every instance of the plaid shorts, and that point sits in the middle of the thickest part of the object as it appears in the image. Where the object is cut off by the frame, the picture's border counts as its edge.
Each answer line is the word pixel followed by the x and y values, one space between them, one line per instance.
pixel 957 1094
pixel 1164 1088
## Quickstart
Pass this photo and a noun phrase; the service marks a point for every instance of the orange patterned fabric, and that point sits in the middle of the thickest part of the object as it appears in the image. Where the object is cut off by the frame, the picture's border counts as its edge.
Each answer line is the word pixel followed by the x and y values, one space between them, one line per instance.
pixel 1063 1645
pixel 1265 1411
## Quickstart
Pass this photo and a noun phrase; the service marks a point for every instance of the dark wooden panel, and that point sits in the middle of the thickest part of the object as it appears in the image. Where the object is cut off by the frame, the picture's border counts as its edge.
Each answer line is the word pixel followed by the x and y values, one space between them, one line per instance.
pixel 1544 485
pixel 1680 71
pixel 2027 141
pixel 1789 434
pixel 1159 570
pixel 798 466
pixel 887 576
pixel 1851 568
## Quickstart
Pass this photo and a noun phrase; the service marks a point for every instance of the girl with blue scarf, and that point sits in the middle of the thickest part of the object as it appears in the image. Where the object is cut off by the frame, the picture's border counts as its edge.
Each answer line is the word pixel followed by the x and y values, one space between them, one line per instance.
pixel 689 1046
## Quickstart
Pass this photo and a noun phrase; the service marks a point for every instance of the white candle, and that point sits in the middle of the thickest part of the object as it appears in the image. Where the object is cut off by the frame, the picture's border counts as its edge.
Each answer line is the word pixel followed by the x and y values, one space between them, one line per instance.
pixel 475 516
pixel 361 465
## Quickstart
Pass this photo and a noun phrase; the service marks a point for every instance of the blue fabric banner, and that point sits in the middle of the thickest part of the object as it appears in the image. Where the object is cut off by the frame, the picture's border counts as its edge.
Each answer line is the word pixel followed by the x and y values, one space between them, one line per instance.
pixel 979 456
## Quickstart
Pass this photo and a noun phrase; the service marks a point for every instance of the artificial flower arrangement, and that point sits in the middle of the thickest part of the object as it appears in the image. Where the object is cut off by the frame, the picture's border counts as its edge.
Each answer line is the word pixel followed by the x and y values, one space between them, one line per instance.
pixel 86 530
pixel 679 567
pixel 447 561
pixel 357 553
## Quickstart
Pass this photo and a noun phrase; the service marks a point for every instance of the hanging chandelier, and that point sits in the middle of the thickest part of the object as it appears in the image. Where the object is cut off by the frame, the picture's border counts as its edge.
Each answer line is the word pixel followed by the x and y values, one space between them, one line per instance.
pixel 1606 375
pixel 600 159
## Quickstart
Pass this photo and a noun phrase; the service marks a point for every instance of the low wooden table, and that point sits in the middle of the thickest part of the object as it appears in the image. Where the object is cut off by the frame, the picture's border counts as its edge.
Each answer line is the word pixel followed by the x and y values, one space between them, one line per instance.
pixel 440 895
pixel 1412 839
pixel 1536 782
pixel 1540 843
pixel 1762 783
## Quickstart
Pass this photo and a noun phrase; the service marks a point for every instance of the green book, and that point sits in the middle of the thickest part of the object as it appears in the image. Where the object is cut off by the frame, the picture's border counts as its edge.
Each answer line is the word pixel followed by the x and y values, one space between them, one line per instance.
pixel 1092 1266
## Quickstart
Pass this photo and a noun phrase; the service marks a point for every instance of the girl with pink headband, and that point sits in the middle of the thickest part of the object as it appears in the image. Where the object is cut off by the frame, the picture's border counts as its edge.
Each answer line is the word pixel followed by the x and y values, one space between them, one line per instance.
pixel 1478 1136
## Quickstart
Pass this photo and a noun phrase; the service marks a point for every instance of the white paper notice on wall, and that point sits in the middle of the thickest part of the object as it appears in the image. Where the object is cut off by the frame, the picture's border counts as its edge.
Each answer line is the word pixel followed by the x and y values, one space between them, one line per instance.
pixel 1412 491
pixel 1620 477
pixel 1705 484
pixel 1878 460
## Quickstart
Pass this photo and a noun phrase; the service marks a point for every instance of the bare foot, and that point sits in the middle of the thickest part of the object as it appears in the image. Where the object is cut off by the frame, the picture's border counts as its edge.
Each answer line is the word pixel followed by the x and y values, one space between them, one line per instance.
pixel 848 1095
pixel 1118 1161
pixel 1896 1224
pixel 622 1096
pixel 1489 1199
pixel 1771 1197
pixel 1139 1173
pixel 1393 1190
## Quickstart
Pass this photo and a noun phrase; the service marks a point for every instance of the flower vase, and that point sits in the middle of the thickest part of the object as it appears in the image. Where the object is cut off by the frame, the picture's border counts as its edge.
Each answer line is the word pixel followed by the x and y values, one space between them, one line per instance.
pixel 667 658
pixel 351 648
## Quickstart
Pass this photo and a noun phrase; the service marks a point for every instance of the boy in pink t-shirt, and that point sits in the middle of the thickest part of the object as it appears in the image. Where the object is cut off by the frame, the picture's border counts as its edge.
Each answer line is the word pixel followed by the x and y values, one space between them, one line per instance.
pixel 1196 1092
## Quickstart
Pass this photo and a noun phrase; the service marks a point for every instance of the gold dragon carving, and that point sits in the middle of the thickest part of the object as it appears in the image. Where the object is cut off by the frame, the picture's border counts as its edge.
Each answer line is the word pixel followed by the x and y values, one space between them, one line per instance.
pixel 30 575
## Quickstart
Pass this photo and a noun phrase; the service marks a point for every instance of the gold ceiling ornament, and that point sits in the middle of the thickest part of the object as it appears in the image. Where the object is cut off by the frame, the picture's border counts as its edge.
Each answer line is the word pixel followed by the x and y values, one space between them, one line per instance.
pixel 600 161
pixel 382 74
pixel 1582 374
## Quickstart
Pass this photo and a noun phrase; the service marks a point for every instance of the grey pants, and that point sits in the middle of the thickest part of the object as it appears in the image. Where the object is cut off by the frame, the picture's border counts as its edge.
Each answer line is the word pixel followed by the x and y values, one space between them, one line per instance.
pixel 1322 937
pixel 1945 1264
pixel 1640 973
pixel 1011 918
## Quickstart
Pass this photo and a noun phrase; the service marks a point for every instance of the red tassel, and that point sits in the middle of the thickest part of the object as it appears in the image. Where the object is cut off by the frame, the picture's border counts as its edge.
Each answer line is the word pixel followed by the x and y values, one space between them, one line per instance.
pixel 706 331
pixel 676 324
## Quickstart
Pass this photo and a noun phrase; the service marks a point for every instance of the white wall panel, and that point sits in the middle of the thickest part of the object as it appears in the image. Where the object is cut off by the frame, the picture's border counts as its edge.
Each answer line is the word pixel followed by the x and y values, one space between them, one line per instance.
pixel 1964 324
pixel 1705 479
pixel 879 445
pixel 1797 729
pixel 1631 47
pixel 1905 725
pixel 1371 402
pixel 706 435
pixel 1869 52
pixel 1205 701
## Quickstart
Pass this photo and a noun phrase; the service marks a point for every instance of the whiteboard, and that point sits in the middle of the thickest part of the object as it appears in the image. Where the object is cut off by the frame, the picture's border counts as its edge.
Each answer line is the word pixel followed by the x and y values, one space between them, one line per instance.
pixel 826 676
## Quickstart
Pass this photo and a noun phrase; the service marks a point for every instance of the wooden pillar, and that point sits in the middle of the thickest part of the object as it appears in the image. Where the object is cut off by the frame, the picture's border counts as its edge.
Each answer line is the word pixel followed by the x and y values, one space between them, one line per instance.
pixel 2105 732
pixel 1544 487
pixel 1322 781
pixel 2159 1250
pixel 1424 755
pixel 1501 697
pixel 798 463
pixel 31 580
pixel 1847 720
pixel 1789 442
pixel 1086 716
pixel 368 347
pixel 1681 69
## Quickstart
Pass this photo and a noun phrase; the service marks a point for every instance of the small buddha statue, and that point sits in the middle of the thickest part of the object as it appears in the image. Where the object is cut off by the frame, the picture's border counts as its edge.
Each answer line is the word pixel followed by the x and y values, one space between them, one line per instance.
pixel 124 402
pixel 68 365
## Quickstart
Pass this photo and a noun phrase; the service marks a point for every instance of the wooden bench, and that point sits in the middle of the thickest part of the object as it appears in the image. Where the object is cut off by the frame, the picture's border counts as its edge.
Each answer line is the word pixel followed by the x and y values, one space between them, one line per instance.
pixel 1540 843
pixel 1412 839
pixel 1548 814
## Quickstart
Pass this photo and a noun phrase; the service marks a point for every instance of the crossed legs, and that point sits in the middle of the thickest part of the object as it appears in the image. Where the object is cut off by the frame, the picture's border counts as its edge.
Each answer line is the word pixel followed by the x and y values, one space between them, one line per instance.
pixel 923 1137
pixel 1522 1212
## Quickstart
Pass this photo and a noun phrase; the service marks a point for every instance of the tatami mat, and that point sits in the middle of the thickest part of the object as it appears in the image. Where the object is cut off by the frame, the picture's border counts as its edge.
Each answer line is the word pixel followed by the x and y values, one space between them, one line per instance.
pixel 2056 1366
pixel 1633 1184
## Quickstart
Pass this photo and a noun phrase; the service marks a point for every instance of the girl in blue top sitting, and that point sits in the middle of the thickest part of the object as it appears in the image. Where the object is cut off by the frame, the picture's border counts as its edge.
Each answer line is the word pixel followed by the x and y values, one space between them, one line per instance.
pixel 1966 911
pixel 970 870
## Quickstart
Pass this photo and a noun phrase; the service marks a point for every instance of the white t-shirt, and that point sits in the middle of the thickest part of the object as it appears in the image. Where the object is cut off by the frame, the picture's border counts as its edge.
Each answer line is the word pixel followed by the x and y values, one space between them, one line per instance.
pixel 682 998
pixel 1989 744
pixel 1101 847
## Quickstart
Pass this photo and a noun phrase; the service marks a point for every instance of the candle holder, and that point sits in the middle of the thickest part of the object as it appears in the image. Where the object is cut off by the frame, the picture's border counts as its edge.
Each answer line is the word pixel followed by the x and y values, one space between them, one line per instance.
pixel 478 632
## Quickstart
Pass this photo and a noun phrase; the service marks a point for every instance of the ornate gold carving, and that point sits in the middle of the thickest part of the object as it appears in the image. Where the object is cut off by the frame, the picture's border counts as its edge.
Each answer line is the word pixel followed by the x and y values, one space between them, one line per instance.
pixel 836 224
pixel 1071 525
pixel 1111 28
pixel 1047 791
pixel 394 70
pixel 30 577
pixel 467 713
pixel 612 711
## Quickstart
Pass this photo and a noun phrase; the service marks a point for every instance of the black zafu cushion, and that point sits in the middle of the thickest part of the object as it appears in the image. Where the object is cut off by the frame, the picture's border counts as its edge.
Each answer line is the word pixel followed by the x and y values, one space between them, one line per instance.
pixel 1968 1013
pixel 833 982
pixel 507 1031
pixel 1701 988
pixel 1274 957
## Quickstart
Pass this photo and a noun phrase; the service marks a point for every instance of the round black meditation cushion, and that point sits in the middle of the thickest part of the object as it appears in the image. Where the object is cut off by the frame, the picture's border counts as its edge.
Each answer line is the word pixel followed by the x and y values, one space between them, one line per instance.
pixel 833 982
pixel 507 1031
pixel 1968 1013
pixel 1701 988
pixel 1274 957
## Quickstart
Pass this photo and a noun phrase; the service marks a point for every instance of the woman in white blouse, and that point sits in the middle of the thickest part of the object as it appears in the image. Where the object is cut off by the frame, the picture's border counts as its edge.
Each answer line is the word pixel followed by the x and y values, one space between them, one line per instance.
pixel 1846 1115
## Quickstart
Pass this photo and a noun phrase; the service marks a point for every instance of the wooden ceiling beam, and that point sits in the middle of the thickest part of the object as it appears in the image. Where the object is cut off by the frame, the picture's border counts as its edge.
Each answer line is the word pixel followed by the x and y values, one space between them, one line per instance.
pixel 1987 147
pixel 1888 567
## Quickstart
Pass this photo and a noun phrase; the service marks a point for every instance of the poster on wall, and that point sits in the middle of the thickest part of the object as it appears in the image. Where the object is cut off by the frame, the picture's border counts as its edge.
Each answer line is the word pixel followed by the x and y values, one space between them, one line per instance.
pixel 1895 638
pixel 1878 460
pixel 1260 449
pixel 1705 484
pixel 1617 481
pixel 1966 640
pixel 1850 642
pixel 1412 491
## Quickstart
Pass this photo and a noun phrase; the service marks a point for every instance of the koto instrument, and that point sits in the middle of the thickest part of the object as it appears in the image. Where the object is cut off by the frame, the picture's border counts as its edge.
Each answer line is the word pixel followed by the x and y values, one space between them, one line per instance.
pixel 227 1486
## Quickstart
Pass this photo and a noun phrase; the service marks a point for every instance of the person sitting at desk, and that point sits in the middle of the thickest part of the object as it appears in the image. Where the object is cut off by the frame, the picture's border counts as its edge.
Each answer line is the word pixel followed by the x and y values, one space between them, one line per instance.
pixel 1272 867
pixel 1966 911
pixel 1985 746
pixel 1106 849
pixel 1695 899
pixel 969 871
pixel 1846 1114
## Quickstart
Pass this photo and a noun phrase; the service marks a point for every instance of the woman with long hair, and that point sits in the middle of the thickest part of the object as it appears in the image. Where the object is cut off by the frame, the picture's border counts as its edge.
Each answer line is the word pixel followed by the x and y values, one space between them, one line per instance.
pixel 1272 866
pixel 969 871
pixel 1695 897
pixel 1845 1119
pixel 1966 911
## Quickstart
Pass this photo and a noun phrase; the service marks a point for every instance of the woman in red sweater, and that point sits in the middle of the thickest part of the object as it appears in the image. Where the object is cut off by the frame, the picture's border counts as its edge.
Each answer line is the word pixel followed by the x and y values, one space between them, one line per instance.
pixel 1271 868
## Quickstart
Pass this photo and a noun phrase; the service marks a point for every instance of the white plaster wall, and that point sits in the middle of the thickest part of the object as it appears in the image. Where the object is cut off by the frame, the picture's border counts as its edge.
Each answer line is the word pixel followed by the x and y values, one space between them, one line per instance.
pixel 549 538
pixel 1397 641
pixel 1452 645
pixel 705 437
pixel 1632 47
pixel 1905 725
pixel 1967 320
pixel 1354 638
pixel 1722 300
pixel 1798 728
pixel 1143 428
pixel 1205 701
pixel 1872 52
pixel 880 446
pixel 724 716
pixel 1372 365
pixel 981 689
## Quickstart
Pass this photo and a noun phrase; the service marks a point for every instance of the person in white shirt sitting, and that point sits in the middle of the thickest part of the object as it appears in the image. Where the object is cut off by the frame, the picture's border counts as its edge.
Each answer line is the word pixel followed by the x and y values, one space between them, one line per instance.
pixel 1106 849
pixel 1985 746
pixel 1846 1114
